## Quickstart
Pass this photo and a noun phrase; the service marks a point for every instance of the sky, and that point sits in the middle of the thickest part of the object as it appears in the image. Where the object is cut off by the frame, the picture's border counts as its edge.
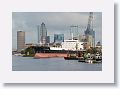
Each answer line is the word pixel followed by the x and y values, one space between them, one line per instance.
pixel 56 23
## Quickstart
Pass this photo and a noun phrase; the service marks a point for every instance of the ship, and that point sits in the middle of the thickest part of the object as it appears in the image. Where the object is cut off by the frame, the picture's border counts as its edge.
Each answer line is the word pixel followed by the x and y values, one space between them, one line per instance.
pixel 46 52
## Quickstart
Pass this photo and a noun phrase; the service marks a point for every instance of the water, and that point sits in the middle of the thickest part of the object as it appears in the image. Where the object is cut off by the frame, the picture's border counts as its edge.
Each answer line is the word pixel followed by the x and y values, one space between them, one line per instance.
pixel 51 64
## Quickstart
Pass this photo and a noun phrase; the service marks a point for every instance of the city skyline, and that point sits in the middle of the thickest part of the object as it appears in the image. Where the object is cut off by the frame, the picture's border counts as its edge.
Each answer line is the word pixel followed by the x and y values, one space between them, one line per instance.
pixel 56 23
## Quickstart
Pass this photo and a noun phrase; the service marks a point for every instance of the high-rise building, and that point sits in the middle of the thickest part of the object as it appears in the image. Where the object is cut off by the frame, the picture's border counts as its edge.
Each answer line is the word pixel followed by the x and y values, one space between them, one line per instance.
pixel 48 39
pixel 74 31
pixel 58 38
pixel 89 31
pixel 43 33
pixel 20 40
pixel 38 29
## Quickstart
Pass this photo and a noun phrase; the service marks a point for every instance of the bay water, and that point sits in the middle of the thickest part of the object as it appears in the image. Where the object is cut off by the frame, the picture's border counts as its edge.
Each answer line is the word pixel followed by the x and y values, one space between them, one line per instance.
pixel 51 64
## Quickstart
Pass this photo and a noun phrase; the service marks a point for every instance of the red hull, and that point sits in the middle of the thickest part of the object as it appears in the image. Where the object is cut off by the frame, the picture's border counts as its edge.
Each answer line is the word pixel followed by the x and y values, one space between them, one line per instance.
pixel 50 55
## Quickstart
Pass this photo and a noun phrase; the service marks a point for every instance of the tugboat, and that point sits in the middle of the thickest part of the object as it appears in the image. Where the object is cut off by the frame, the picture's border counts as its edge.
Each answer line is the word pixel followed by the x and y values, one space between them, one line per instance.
pixel 71 56
pixel 75 56
pixel 81 57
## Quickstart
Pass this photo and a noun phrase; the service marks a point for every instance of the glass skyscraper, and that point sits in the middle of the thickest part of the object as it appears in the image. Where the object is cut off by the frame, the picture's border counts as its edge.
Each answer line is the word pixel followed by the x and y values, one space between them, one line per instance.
pixel 58 38
pixel 42 34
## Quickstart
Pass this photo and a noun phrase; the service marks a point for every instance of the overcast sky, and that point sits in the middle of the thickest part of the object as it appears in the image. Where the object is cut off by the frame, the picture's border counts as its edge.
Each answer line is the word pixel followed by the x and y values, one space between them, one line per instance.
pixel 56 22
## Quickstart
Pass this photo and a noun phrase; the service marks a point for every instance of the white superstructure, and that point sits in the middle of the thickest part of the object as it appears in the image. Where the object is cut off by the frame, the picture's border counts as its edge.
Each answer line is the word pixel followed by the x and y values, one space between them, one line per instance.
pixel 72 45
pixel 56 48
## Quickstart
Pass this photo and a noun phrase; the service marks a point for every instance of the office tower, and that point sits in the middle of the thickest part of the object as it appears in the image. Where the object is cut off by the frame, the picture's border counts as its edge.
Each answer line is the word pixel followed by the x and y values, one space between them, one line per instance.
pixel 20 40
pixel 43 33
pixel 89 31
pixel 74 31
pixel 58 38
pixel 38 30
pixel 48 39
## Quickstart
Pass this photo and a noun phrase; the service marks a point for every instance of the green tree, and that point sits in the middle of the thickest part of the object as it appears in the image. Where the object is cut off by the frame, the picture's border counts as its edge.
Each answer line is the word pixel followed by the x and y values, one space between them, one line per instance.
pixel 29 51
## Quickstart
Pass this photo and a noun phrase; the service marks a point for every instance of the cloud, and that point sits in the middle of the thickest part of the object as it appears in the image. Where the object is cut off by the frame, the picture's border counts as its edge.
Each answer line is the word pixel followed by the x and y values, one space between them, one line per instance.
pixel 56 22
